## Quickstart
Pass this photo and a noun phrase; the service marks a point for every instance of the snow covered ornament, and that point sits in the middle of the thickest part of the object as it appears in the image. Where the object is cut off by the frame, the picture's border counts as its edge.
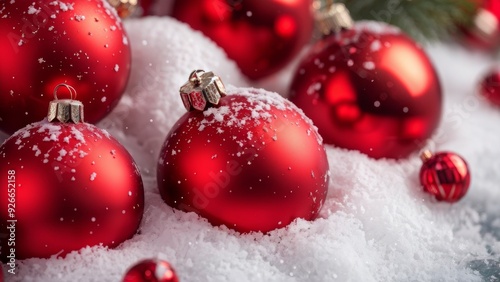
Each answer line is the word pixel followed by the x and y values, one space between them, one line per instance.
pixel 368 87
pixel 47 42
pixel 70 185
pixel 253 162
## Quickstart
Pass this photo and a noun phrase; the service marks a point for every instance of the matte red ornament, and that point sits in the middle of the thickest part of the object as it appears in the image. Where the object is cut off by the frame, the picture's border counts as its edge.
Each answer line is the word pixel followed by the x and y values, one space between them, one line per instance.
pixel 68 184
pixel 151 270
pixel 445 175
pixel 261 37
pixel 369 88
pixel 44 43
pixel 254 162
pixel 490 86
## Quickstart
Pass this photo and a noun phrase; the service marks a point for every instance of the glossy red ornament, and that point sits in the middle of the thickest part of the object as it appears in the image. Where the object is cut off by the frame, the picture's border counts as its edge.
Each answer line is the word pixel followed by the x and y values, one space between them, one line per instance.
pixel 445 175
pixel 252 163
pixel 369 88
pixel 44 43
pixel 151 270
pixel 484 29
pixel 67 186
pixel 261 37
pixel 490 86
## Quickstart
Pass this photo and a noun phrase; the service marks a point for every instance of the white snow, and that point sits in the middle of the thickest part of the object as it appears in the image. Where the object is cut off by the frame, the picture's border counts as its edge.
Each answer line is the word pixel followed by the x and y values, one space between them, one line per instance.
pixel 376 225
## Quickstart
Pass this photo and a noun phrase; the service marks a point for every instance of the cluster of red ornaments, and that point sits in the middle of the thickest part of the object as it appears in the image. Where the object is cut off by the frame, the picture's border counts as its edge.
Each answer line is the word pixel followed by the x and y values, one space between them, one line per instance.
pixel 246 159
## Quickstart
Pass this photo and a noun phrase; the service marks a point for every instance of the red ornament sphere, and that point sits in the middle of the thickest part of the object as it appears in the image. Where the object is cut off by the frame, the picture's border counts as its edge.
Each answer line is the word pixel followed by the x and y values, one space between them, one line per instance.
pixel 371 89
pixel 445 175
pixel 67 186
pixel 254 163
pixel 490 87
pixel 151 270
pixel 260 38
pixel 484 29
pixel 44 43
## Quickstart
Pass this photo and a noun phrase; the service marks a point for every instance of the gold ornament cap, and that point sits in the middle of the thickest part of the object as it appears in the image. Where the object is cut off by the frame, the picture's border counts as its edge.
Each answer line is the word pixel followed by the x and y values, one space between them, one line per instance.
pixel 426 155
pixel 332 18
pixel 65 110
pixel 124 8
pixel 202 90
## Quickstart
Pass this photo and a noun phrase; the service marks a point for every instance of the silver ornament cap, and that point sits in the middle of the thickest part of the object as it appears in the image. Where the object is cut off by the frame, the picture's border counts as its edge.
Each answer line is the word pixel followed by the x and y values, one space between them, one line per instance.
pixel 203 89
pixel 65 110
pixel 333 18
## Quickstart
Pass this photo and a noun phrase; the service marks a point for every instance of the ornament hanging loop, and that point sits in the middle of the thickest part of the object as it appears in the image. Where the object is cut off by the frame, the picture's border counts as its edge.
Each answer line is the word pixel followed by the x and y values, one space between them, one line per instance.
pixel 65 110
pixel 202 90
pixel 71 89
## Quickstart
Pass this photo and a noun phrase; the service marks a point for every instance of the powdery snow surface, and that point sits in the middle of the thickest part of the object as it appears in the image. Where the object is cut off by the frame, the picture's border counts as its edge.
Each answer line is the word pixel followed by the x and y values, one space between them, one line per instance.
pixel 376 225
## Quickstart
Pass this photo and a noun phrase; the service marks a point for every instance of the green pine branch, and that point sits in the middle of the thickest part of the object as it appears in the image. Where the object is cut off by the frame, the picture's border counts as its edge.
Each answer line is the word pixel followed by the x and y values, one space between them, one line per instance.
pixel 424 20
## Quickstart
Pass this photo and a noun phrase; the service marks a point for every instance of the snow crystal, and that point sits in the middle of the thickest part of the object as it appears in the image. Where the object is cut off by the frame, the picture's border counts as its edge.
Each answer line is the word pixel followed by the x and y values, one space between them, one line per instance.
pixel 376 225
pixel 93 175
pixel 79 18
pixel 78 135
pixel 32 10
pixel 369 65
pixel 375 45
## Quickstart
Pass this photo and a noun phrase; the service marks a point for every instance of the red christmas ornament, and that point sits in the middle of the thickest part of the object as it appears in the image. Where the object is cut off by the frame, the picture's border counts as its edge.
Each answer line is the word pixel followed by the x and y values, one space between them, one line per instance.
pixel 445 175
pixel 490 87
pixel 44 43
pixel 260 38
pixel 68 185
pixel 151 270
pixel 368 88
pixel 251 161
pixel 484 30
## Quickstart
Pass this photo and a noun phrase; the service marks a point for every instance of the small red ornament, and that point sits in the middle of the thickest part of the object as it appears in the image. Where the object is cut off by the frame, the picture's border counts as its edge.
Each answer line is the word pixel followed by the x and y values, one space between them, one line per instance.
pixel 151 270
pixel 44 43
pixel 490 87
pixel 368 87
pixel 68 184
pixel 445 175
pixel 260 38
pixel 253 162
